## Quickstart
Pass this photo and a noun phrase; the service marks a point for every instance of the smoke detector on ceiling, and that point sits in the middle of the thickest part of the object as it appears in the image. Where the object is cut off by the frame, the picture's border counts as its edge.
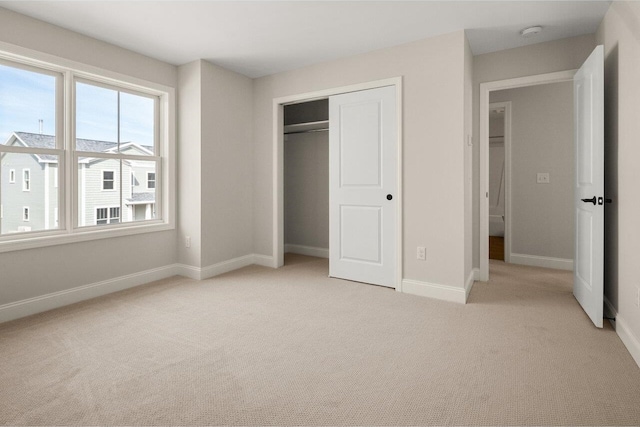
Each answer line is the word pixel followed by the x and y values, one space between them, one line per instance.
pixel 531 31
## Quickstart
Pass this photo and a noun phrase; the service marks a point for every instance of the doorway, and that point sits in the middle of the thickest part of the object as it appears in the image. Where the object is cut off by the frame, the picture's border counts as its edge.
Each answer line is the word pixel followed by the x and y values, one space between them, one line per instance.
pixel 587 94
pixel 499 178
pixel 279 170
pixel 485 99
pixel 306 178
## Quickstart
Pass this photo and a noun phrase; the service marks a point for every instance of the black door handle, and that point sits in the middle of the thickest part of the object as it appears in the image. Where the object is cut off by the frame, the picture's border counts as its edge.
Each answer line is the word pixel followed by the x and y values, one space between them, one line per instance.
pixel 590 200
pixel 389 197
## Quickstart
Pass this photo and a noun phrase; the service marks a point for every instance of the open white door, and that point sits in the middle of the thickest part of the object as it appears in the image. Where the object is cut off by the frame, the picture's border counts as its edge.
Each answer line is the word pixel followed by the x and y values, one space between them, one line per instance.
pixel 588 275
pixel 363 132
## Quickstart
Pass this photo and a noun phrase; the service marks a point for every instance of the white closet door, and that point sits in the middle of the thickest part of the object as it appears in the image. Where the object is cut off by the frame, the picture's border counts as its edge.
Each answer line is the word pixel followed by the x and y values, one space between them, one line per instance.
pixel 363 132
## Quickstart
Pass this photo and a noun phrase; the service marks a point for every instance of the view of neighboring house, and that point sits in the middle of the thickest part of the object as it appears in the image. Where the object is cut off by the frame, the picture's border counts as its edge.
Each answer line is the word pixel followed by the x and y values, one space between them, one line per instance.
pixel 29 185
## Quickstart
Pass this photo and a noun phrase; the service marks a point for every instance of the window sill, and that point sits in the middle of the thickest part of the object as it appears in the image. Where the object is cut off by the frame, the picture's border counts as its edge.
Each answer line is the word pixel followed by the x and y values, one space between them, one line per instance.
pixel 80 235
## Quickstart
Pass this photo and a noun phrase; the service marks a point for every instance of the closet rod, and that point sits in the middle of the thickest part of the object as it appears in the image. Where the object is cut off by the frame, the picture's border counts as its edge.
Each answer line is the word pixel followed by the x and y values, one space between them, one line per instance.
pixel 307 131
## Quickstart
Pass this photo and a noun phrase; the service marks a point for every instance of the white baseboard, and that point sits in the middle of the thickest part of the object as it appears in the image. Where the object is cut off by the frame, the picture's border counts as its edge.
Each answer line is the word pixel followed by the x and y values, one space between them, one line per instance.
pixel 307 250
pixel 27 307
pixel 628 338
pixel 542 261
pixel 469 283
pixel 201 273
pixel 188 271
pixel 624 332
pixel 226 266
pixel 476 274
pixel 432 290
pixel 265 260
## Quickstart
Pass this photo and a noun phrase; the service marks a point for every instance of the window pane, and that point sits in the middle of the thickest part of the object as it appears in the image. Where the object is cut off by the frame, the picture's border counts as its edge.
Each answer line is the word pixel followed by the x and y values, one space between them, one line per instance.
pixel 139 195
pixel 137 124
pixel 108 180
pixel 98 190
pixel 33 210
pixel 96 118
pixel 27 104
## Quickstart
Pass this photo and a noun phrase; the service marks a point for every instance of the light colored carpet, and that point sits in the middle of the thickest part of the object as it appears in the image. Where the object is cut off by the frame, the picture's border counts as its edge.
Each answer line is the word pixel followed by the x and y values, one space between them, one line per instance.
pixel 291 346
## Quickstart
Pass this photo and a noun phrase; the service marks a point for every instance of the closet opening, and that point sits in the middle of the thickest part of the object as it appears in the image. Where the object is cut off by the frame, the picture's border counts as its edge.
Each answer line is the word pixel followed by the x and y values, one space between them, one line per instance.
pixel 306 180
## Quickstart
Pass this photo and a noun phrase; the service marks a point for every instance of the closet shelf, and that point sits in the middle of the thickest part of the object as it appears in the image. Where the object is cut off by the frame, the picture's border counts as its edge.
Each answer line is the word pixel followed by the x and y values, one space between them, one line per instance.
pixel 307 127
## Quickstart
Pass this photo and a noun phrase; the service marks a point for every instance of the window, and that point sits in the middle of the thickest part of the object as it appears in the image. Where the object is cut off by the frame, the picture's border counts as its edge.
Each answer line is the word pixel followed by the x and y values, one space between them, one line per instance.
pixel 151 180
pixel 26 180
pixel 116 133
pixel 108 180
pixel 120 126
pixel 107 215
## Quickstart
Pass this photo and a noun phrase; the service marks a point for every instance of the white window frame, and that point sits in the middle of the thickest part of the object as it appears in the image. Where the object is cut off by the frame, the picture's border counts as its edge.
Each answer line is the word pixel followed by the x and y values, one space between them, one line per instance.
pixel 67 72
pixel 151 180
pixel 113 180
pixel 26 214
pixel 26 179
pixel 12 176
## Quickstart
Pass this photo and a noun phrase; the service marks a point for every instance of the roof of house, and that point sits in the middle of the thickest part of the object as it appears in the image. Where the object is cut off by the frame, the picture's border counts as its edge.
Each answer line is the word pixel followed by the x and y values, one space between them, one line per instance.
pixel 36 140
pixel 142 197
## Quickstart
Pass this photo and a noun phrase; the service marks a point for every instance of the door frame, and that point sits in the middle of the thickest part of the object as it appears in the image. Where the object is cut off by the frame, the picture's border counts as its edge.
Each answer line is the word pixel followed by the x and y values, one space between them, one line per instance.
pixel 278 163
pixel 507 176
pixel 485 90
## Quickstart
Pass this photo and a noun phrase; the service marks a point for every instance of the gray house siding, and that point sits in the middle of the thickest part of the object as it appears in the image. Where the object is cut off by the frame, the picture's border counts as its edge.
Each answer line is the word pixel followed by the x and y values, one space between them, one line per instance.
pixel 93 196
pixel 138 200
pixel 14 198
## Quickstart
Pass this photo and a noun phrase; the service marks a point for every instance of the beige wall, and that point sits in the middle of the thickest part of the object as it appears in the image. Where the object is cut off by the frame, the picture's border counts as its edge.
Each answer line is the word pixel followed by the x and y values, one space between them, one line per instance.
pixel 227 176
pixel 541 141
pixel 35 272
pixel 541 58
pixel 30 33
pixel 620 34
pixel 468 158
pixel 189 164
pixel 215 198
pixel 433 108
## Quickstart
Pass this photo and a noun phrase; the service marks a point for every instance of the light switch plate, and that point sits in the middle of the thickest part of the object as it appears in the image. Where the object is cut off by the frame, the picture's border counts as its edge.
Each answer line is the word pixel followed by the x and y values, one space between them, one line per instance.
pixel 543 178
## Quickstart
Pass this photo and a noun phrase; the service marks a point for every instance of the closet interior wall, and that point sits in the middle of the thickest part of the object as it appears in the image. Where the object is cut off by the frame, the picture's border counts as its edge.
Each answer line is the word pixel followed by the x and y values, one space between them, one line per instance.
pixel 306 178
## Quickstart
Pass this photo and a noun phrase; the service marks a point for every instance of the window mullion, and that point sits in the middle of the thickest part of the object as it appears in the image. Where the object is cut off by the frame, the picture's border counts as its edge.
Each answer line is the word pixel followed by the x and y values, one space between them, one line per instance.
pixel 67 190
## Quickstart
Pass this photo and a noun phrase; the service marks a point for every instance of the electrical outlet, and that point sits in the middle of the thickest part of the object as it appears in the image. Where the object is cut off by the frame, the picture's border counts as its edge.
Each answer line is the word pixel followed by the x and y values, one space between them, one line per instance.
pixel 422 253
pixel 187 242
pixel 543 178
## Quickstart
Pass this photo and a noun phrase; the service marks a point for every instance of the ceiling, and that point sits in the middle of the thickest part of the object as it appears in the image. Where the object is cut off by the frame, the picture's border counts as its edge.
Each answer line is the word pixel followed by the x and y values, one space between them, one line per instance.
pixel 259 38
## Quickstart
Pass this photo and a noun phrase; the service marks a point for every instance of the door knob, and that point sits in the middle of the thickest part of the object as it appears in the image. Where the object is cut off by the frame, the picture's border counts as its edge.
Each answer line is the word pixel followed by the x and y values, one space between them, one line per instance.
pixel 389 197
pixel 590 200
